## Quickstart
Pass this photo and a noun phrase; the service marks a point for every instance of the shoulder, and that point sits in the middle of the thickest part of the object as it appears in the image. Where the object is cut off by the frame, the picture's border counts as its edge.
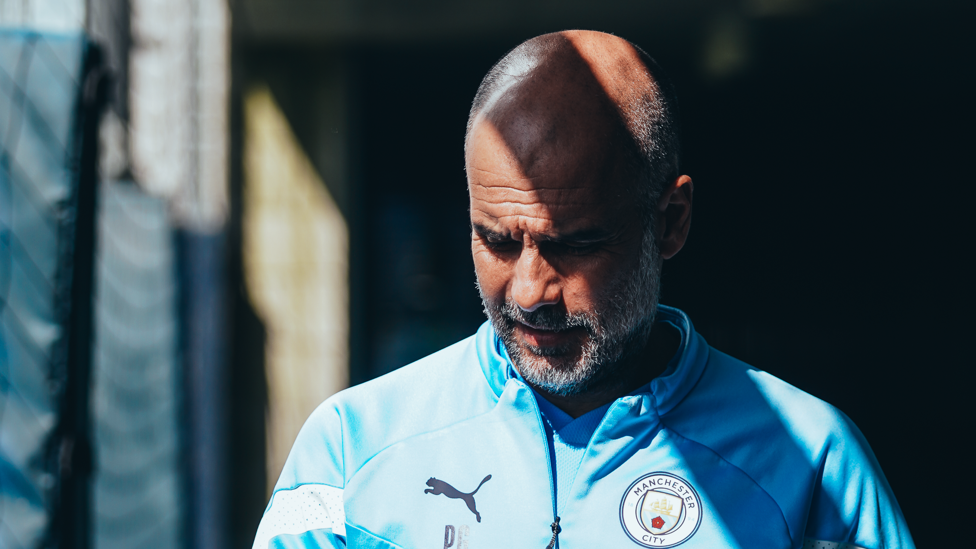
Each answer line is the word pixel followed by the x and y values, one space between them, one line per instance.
pixel 805 453
pixel 452 366
pixel 353 425
pixel 734 400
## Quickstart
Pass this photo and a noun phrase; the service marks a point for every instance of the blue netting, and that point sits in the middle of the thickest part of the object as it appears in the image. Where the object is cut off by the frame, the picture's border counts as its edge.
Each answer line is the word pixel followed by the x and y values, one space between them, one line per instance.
pixel 135 375
pixel 40 79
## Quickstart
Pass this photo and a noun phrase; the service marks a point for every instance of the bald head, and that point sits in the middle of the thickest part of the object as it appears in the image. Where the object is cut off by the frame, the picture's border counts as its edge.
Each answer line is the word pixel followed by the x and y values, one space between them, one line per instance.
pixel 587 97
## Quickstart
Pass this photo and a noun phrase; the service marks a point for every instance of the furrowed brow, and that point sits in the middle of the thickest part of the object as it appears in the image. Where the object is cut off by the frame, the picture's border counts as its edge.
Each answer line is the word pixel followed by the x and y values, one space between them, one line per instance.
pixel 584 236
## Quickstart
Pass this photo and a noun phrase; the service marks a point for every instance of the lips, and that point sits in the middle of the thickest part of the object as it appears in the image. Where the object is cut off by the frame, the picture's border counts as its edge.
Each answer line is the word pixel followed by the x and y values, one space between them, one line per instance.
pixel 541 338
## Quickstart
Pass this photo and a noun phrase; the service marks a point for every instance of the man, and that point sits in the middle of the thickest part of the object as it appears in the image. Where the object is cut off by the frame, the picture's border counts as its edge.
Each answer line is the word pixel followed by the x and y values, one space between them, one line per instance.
pixel 582 414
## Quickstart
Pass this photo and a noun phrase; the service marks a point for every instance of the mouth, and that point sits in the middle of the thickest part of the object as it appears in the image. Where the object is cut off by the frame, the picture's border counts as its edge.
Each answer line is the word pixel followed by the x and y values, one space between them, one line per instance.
pixel 542 338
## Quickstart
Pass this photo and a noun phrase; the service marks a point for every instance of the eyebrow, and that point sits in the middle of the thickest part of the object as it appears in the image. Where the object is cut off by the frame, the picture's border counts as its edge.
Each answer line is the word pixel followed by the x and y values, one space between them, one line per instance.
pixel 486 232
pixel 583 236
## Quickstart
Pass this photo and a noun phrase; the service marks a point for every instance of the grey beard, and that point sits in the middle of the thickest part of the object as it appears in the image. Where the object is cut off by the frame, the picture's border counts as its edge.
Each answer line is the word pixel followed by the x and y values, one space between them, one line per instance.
pixel 618 327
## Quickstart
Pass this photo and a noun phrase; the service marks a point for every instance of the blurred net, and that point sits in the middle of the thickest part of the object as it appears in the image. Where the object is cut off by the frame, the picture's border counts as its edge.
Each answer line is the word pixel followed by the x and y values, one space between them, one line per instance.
pixel 41 78
pixel 135 374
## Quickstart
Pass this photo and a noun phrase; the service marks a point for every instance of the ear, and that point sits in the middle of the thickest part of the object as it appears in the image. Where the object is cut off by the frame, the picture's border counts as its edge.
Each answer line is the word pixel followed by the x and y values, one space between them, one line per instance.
pixel 674 216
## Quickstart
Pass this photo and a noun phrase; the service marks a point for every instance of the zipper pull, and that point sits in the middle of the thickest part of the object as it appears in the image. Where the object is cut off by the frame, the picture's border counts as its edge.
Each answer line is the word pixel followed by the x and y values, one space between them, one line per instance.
pixel 555 532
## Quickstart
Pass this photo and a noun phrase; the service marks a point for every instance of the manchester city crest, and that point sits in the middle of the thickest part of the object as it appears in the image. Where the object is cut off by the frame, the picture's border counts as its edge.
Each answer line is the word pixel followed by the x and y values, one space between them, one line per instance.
pixel 660 510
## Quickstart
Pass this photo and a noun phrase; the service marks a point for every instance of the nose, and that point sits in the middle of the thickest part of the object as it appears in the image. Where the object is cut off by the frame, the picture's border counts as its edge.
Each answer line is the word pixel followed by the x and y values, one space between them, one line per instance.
pixel 535 283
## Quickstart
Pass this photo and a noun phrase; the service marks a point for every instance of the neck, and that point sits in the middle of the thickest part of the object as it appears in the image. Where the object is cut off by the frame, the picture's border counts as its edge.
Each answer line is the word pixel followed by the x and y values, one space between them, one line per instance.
pixel 637 370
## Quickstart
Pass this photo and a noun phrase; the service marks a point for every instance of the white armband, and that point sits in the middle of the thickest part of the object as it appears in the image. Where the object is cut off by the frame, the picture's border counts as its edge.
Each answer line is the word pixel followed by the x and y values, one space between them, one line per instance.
pixel 302 509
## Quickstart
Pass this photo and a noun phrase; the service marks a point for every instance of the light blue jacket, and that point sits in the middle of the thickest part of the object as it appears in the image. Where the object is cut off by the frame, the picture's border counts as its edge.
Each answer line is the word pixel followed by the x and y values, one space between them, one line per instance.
pixel 711 454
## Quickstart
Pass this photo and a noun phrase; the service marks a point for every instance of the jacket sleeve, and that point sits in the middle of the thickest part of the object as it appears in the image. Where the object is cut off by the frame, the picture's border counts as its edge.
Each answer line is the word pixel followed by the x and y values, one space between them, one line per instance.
pixel 852 505
pixel 306 508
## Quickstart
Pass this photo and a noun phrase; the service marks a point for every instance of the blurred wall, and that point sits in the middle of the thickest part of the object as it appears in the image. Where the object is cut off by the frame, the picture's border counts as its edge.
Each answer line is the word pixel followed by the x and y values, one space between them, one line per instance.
pixel 44 15
pixel 295 251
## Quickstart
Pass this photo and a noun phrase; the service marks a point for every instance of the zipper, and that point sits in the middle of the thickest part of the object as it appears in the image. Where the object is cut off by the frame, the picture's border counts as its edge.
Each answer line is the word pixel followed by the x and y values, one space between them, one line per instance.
pixel 555 532
pixel 556 529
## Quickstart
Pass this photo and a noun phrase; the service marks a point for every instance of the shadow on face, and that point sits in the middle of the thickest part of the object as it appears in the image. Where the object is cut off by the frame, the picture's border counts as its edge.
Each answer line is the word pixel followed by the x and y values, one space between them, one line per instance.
pixel 551 165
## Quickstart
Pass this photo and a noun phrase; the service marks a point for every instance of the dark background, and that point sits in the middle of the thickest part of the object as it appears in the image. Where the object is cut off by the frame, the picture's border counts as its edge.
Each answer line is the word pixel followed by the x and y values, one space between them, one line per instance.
pixel 831 227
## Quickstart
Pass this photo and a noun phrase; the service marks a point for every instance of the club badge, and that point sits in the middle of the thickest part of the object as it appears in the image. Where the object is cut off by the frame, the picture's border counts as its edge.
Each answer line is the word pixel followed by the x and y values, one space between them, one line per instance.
pixel 660 510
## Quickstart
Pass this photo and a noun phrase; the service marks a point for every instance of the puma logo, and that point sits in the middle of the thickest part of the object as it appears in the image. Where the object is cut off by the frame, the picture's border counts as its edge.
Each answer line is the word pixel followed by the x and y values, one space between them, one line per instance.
pixel 438 487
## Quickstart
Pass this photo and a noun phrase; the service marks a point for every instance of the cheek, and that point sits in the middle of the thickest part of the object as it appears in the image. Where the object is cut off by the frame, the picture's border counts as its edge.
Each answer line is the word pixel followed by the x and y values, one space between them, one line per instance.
pixel 578 293
pixel 492 273
pixel 593 283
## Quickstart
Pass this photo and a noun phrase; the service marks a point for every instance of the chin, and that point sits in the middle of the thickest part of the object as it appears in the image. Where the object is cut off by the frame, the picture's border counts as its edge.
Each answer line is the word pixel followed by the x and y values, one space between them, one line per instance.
pixel 563 374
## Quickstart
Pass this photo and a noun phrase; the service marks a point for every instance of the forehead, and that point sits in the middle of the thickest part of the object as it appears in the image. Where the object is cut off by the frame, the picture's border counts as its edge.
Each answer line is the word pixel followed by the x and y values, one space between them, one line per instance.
pixel 562 186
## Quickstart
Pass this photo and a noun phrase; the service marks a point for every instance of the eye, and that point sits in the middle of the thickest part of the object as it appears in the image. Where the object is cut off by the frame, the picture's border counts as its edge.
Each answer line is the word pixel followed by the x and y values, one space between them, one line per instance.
pixel 571 248
pixel 500 244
